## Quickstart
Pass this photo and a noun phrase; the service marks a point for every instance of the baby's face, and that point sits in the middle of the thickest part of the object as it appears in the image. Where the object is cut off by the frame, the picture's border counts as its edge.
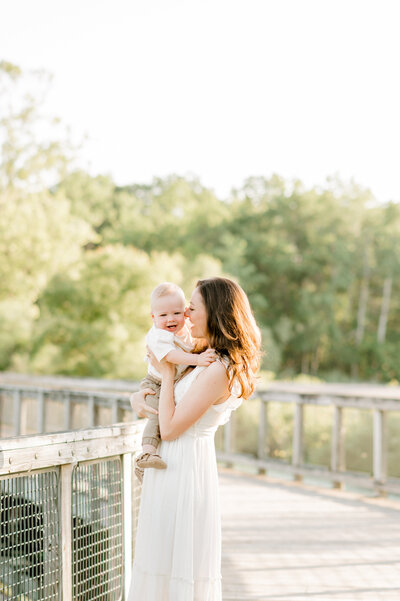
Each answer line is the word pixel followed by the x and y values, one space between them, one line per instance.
pixel 168 313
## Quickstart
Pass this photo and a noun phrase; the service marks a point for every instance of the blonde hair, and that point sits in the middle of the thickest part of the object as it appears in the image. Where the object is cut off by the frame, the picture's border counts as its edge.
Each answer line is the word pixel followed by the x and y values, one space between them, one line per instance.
pixel 232 330
pixel 165 289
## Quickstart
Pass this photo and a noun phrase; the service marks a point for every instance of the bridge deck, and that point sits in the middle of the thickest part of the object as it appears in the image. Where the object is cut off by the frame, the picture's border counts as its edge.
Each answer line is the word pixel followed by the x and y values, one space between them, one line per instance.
pixel 285 542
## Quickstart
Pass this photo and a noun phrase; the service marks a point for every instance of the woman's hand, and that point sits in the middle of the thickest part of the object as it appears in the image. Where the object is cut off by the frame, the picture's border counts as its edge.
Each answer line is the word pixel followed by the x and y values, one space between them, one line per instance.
pixel 139 405
pixel 165 368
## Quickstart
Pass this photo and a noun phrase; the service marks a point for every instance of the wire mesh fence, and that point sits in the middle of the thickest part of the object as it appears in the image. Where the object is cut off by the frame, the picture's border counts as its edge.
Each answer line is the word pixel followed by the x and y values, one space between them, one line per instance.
pixel 97 531
pixel 29 533
pixel 68 514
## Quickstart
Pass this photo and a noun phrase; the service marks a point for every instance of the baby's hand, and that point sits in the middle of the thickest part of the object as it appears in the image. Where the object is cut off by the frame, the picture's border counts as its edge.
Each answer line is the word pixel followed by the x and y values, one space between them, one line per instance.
pixel 207 357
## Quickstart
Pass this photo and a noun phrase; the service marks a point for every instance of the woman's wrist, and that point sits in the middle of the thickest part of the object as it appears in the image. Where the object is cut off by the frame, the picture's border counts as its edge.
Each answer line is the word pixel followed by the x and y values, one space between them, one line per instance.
pixel 168 374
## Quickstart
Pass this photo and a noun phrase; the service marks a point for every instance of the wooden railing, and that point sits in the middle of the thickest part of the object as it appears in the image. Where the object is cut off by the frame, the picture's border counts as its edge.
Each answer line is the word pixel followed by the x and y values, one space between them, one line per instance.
pixel 34 409
pixel 107 402
pixel 380 399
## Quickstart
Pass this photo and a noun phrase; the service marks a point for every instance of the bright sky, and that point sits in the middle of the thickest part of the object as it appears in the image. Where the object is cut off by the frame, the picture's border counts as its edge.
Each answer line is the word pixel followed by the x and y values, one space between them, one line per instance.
pixel 223 89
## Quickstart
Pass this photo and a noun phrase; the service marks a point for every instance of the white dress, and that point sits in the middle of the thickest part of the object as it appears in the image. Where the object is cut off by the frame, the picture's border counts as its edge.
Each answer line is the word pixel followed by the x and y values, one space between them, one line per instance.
pixel 178 541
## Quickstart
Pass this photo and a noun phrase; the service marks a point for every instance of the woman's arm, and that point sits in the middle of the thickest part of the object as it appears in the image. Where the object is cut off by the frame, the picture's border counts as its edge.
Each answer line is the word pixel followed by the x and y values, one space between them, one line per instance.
pixel 209 388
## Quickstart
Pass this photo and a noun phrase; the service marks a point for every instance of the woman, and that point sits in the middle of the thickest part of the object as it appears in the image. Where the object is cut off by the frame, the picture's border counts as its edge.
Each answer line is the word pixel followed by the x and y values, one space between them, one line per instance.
pixel 178 543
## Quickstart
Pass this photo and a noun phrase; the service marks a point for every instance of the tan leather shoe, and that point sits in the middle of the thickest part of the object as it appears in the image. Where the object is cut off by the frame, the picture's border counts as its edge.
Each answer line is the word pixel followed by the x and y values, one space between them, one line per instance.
pixel 150 460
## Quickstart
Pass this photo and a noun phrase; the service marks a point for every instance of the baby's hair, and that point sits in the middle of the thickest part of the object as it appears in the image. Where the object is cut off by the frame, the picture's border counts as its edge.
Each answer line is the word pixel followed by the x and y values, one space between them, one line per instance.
pixel 164 289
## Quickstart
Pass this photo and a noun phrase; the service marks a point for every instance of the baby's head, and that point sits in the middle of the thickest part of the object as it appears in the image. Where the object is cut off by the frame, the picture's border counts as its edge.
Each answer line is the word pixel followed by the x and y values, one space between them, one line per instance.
pixel 167 303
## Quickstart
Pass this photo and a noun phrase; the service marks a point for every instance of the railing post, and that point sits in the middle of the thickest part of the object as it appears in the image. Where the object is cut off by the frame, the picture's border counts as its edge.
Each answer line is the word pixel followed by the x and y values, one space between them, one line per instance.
pixel 379 448
pixel 92 411
pixel 66 530
pixel 337 445
pixel 67 411
pixel 116 412
pixel 262 434
pixel 41 412
pixel 17 412
pixel 298 440
pixel 127 518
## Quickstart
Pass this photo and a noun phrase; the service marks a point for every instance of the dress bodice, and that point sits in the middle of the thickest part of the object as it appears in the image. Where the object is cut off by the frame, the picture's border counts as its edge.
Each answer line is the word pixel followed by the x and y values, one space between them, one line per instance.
pixel 215 416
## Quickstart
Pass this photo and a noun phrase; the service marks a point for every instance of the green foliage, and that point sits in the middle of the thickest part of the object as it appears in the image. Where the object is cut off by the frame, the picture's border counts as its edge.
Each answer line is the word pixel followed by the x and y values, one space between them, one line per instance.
pixel 94 317
pixel 92 199
pixel 358 444
pixel 245 427
pixel 38 239
pixel 172 215
pixel 79 256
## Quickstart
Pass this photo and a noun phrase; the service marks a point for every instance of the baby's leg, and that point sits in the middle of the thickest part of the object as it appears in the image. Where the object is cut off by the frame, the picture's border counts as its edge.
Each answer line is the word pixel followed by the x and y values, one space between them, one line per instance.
pixel 149 448
pixel 151 435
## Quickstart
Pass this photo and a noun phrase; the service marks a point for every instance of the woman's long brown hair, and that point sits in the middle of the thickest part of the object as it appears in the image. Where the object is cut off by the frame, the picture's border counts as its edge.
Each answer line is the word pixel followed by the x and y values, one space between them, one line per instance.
pixel 232 330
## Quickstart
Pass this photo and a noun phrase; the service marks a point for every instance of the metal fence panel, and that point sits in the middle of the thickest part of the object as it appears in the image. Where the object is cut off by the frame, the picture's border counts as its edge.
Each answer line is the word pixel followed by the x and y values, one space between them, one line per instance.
pixel 97 531
pixel 29 535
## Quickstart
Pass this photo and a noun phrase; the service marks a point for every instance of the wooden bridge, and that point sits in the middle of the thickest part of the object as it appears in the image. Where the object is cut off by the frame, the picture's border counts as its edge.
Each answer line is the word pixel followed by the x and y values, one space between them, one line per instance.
pixel 283 538
pixel 284 541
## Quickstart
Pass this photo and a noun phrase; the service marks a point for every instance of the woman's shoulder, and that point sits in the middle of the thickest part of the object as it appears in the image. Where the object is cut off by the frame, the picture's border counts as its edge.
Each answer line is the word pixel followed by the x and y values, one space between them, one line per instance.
pixel 214 377
pixel 218 368
pixel 215 372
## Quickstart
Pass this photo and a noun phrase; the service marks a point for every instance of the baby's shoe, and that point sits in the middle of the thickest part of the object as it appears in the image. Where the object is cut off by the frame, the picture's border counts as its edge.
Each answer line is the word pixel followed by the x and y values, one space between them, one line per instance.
pixel 150 460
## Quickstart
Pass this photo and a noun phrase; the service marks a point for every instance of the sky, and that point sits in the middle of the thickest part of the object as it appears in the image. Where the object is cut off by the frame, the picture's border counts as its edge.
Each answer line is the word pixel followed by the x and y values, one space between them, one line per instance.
pixel 220 89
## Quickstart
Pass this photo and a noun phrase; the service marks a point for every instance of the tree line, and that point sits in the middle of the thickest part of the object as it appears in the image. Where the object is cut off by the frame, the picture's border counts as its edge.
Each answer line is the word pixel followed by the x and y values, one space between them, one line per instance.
pixel 79 256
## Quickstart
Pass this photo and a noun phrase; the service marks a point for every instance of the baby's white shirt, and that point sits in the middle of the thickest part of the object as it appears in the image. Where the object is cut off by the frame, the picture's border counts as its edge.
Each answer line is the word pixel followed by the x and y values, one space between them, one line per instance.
pixel 161 342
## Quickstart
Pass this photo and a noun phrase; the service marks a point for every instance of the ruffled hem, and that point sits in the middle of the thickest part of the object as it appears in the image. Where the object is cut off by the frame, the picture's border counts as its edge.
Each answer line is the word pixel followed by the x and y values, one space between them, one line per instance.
pixel 148 586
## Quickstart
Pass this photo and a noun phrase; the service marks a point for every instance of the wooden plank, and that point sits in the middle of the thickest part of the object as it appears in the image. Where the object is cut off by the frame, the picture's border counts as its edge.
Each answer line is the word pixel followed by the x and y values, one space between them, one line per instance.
pixel 262 433
pixel 382 391
pixel 64 382
pixel 67 411
pixel 298 439
pixel 91 411
pixel 127 386
pixel 40 411
pixel 326 401
pixel 114 412
pixel 55 451
pixel 379 446
pixel 283 542
pixel 337 445
pixel 99 432
pixel 17 412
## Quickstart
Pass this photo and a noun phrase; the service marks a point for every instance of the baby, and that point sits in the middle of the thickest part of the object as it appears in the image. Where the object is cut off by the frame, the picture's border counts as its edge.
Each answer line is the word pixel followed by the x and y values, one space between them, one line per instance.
pixel 169 339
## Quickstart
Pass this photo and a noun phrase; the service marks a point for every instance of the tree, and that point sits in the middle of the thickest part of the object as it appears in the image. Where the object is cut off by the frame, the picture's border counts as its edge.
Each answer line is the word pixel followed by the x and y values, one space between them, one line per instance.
pixel 39 236
pixel 94 317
